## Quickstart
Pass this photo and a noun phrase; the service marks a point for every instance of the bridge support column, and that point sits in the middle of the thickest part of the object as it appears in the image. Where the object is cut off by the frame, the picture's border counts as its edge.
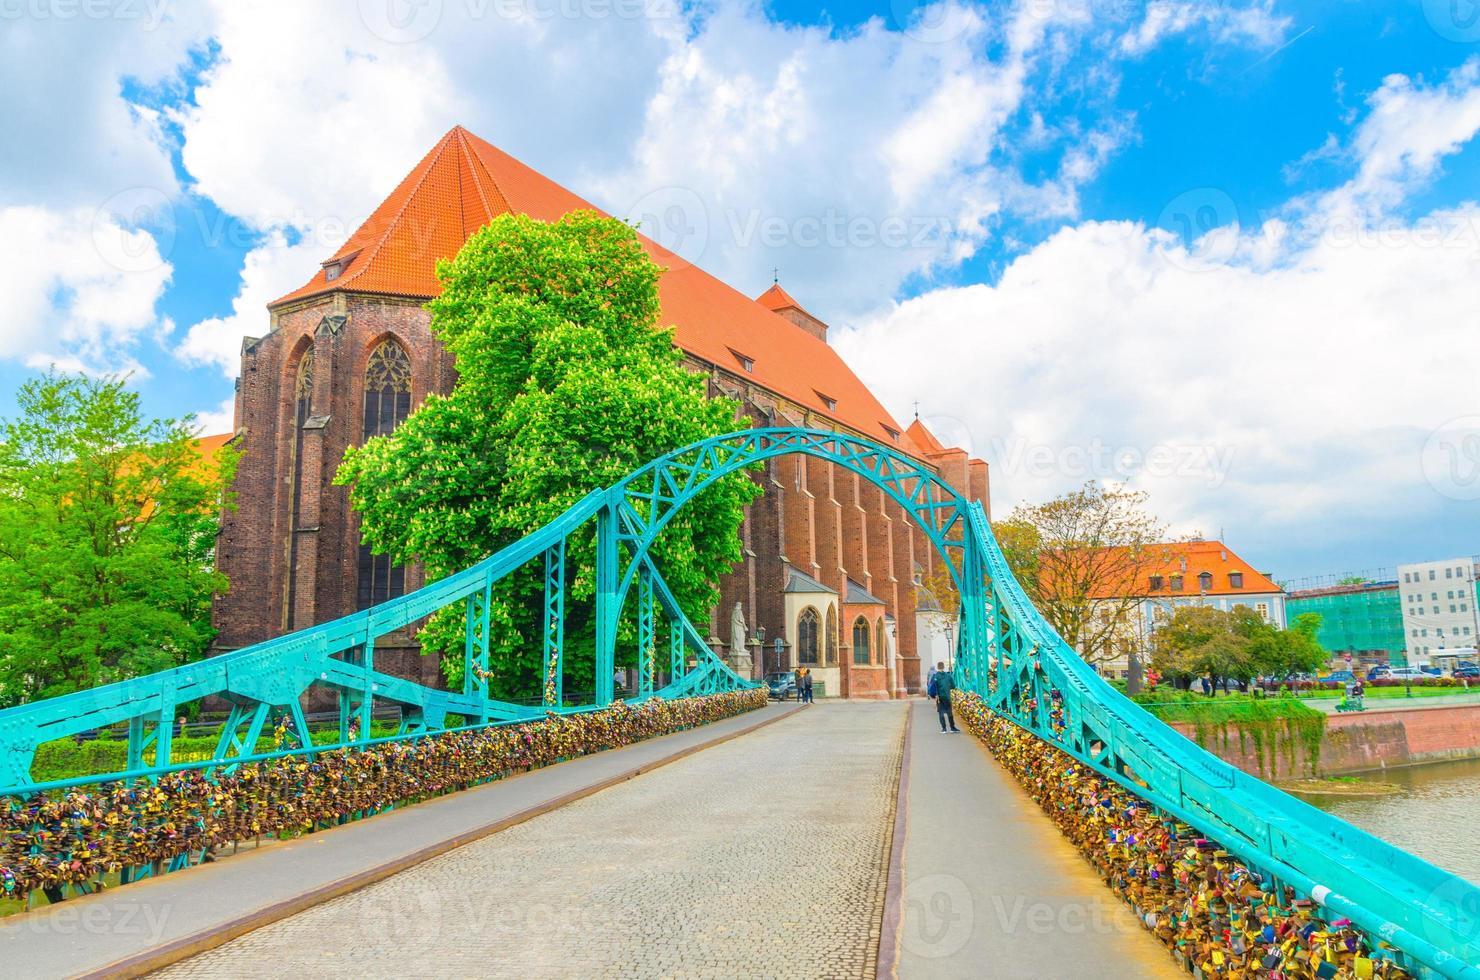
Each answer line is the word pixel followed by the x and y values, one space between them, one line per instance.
pixel 607 610
pixel 647 654
pixel 973 614
pixel 367 703
pixel 675 651
pixel 475 647
pixel 554 659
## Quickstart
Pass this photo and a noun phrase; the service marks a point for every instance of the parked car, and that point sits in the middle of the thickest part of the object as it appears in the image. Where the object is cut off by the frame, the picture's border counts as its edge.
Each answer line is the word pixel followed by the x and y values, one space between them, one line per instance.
pixel 1378 672
pixel 1338 677
pixel 781 685
pixel 1470 673
pixel 1433 671
pixel 1406 674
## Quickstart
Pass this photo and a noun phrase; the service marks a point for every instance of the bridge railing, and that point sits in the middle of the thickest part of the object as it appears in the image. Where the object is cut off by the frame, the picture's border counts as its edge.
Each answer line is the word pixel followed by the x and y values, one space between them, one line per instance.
pixel 1007 653
pixel 1430 914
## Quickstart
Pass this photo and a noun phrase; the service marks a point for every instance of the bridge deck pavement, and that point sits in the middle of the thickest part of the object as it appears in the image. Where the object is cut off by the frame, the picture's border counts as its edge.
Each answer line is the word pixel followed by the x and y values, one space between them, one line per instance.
pixel 990 886
pixel 132 925
pixel 764 856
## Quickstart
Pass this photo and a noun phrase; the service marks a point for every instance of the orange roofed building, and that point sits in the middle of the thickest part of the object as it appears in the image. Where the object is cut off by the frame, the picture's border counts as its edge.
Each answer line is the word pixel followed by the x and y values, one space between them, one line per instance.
pixel 1194 573
pixel 350 353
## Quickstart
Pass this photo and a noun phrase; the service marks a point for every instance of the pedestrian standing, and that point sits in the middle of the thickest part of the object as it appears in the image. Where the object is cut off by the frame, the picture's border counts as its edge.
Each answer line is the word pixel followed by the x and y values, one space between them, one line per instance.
pixel 807 685
pixel 929 679
pixel 942 683
pixel 797 676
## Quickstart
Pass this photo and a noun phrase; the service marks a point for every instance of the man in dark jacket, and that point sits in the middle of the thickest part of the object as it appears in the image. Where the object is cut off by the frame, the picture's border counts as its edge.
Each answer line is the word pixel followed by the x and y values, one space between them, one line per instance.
pixel 941 686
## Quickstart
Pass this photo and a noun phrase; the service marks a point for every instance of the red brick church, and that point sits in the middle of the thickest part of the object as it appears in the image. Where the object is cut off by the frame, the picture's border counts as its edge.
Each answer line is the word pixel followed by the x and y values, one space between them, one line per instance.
pixel 830 565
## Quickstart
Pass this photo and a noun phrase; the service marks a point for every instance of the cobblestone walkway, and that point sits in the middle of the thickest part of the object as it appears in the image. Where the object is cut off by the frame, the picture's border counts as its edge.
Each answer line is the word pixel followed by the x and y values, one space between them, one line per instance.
pixel 765 856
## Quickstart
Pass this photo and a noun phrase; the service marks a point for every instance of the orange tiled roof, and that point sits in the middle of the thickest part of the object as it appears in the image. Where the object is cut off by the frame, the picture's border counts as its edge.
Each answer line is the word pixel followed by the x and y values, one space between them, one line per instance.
pixel 464 182
pixel 776 299
pixel 924 438
pixel 1213 557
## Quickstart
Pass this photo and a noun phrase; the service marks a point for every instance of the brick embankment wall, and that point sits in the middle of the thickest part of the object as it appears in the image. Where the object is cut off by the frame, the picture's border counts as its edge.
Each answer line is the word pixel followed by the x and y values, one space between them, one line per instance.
pixel 1361 742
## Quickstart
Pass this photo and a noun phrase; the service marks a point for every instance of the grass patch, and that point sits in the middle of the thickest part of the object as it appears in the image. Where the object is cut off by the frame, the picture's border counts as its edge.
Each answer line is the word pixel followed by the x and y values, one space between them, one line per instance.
pixel 66 759
pixel 1277 725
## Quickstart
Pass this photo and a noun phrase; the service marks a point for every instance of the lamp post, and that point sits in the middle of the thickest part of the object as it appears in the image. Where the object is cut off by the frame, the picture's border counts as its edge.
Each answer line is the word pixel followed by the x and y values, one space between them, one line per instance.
pixel 950 646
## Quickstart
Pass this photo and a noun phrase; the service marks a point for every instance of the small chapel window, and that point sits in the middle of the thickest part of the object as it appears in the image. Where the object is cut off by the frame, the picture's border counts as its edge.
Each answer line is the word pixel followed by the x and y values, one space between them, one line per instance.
pixel 807 626
pixel 747 363
pixel 861 644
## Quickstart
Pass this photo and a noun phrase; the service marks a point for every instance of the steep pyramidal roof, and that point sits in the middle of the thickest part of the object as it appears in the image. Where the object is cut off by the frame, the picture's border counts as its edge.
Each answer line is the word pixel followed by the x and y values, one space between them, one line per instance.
pixel 464 182
pixel 924 439
pixel 776 298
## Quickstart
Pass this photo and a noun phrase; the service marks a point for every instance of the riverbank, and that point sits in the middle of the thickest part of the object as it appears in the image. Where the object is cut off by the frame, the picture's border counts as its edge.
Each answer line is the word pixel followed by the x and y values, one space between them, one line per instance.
pixel 1380 738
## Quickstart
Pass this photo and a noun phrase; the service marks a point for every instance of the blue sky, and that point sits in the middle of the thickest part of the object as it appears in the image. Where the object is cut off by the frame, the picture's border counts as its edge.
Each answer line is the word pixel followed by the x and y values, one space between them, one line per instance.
pixel 1224 250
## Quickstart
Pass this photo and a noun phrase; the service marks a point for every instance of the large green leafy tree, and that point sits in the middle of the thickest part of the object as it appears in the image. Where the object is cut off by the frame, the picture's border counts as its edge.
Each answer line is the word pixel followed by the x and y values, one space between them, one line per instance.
pixel 108 527
pixel 1203 641
pixel 566 383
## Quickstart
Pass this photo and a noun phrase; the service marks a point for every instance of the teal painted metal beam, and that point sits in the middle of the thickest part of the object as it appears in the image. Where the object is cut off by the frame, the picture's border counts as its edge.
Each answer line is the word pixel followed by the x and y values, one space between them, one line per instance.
pixel 1006 652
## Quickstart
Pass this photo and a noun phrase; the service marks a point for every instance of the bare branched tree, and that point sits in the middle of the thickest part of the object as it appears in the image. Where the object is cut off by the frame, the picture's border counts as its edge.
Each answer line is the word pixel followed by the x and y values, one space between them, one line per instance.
pixel 1084 559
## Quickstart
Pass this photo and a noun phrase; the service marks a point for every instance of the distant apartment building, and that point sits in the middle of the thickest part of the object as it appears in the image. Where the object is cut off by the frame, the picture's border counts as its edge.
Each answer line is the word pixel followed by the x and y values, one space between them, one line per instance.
pixel 1439 598
pixel 1196 573
pixel 1363 621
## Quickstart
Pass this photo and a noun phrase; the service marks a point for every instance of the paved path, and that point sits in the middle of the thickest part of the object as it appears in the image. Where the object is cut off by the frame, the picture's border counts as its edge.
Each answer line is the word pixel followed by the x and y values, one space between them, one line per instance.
pixel 765 856
pixel 991 888
pixel 97 931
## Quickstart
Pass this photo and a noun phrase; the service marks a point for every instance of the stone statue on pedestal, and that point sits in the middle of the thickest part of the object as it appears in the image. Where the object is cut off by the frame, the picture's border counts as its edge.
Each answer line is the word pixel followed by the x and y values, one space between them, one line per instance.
pixel 739 657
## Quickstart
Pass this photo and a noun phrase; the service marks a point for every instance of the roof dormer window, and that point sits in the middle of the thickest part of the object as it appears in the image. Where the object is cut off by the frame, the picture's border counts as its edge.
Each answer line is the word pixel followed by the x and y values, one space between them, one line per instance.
pixel 1236 580
pixel 829 403
pixel 747 363
pixel 335 267
pixel 893 433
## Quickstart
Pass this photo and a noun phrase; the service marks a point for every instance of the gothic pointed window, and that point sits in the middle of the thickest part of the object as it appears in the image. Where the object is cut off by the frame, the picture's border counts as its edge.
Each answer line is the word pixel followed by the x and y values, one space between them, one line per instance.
pixel 387 403
pixel 302 410
pixel 808 624
pixel 387 389
pixel 861 645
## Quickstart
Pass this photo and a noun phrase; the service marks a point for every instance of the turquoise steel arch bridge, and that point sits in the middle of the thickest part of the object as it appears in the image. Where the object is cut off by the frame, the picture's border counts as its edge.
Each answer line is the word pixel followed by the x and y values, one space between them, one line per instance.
pixel 1006 653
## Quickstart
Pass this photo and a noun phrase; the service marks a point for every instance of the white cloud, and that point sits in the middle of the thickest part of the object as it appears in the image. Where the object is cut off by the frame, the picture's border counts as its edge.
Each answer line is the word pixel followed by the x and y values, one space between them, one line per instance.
pixel 1285 377
pixel 1255 24
pixel 71 139
pixel 216 420
pixel 1409 129
pixel 268 271
pixel 80 286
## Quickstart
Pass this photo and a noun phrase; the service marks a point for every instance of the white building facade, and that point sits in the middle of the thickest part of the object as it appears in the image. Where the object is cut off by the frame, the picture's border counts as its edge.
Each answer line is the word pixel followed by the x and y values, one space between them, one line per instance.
pixel 1440 622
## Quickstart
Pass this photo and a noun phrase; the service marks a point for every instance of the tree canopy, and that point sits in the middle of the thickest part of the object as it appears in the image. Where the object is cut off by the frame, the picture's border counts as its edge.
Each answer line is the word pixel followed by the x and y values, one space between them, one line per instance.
pixel 566 383
pixel 108 526
pixel 1080 558
pixel 1204 641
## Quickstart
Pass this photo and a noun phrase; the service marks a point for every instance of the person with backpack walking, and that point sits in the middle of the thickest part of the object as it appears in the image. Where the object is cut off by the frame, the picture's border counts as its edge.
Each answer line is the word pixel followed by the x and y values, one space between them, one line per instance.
pixel 942 683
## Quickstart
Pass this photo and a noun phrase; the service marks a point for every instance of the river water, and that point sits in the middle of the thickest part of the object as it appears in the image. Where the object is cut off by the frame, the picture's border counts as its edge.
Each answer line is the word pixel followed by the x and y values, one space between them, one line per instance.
pixel 1432 817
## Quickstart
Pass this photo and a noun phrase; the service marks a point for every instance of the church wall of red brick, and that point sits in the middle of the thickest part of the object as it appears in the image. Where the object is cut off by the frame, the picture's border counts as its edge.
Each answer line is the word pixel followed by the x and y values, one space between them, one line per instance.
pixel 815 517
